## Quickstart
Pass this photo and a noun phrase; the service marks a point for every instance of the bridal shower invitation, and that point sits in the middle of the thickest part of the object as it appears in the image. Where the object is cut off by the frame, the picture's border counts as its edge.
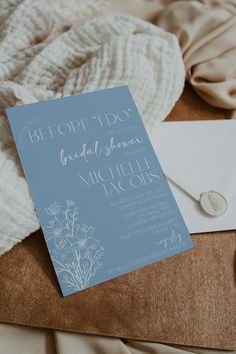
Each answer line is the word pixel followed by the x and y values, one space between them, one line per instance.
pixel 101 197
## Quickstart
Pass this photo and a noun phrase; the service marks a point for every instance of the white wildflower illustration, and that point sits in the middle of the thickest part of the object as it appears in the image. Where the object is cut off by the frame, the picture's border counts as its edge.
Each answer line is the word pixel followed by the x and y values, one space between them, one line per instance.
pixel 76 253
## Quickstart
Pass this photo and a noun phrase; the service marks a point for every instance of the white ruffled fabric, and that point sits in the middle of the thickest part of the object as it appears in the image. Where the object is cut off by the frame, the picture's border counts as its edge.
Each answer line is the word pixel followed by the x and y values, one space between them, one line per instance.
pixel 41 58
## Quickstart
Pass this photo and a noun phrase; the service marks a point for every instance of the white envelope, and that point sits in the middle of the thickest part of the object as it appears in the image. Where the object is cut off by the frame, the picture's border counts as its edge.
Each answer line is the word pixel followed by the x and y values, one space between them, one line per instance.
pixel 199 156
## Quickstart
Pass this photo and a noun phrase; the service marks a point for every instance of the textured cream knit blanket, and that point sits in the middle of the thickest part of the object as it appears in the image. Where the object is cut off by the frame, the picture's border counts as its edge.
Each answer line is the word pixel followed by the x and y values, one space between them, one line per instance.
pixel 45 54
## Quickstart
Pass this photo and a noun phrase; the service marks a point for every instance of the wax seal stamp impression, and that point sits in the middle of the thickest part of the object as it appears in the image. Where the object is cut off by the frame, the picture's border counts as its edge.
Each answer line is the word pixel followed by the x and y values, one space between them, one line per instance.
pixel 213 203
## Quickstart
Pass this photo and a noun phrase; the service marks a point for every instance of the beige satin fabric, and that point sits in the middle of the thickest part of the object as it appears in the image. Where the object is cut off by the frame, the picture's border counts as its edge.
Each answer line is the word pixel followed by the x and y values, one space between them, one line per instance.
pixel 29 340
pixel 207 34
pixel 206 30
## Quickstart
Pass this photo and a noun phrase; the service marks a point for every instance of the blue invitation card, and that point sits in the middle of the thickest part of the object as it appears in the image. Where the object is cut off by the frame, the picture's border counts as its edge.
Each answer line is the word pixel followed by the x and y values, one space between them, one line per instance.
pixel 100 194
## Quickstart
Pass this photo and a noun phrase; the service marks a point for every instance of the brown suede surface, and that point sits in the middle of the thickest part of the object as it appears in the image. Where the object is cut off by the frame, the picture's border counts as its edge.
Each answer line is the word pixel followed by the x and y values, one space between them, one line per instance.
pixel 187 299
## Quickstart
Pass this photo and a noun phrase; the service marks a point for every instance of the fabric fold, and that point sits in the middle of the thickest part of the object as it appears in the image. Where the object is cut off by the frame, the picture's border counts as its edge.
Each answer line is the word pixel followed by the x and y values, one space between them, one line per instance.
pixel 45 341
pixel 206 31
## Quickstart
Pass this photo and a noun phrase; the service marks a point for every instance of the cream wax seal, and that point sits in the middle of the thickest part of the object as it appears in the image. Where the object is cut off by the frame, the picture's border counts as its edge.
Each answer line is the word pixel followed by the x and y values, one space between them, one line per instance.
pixel 213 203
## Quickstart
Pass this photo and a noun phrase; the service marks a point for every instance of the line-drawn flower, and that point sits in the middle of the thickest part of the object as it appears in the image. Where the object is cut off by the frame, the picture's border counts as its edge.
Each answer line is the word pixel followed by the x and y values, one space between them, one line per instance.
pixel 69 203
pixel 53 209
pixel 77 253
pixel 83 239
pixel 55 229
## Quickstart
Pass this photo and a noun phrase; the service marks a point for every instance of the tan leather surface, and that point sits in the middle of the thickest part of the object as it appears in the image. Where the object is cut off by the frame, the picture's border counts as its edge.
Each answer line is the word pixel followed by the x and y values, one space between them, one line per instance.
pixel 189 299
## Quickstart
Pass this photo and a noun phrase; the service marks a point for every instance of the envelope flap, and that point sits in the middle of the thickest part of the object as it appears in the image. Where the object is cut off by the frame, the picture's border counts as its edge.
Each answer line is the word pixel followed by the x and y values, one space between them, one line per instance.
pixel 198 155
